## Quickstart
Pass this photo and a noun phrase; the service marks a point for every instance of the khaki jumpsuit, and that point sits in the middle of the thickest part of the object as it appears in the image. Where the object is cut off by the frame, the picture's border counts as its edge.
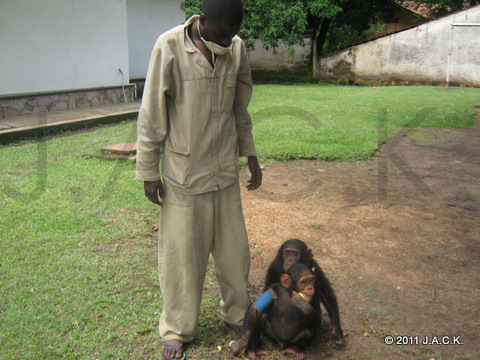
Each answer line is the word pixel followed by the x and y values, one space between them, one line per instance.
pixel 195 117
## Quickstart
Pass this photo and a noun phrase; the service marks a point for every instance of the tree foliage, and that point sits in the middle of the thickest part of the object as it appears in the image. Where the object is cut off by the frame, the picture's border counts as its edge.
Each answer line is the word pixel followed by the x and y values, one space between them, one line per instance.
pixel 193 7
pixel 437 8
pixel 270 21
pixel 358 21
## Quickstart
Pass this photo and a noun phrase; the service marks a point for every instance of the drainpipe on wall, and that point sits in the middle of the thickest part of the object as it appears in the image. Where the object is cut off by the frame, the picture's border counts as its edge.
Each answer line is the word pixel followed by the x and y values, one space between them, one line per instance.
pixel 123 85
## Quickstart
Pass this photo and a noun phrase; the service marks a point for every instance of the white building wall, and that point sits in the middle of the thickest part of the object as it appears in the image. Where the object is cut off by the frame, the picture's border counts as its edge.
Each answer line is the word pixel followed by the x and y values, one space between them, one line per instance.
pixel 53 45
pixel 147 19
pixel 418 55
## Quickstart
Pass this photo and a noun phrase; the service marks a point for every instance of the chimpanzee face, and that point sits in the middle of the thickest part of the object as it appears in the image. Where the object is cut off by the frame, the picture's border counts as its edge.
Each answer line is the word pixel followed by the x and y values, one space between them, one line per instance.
pixel 291 256
pixel 306 283
pixel 301 279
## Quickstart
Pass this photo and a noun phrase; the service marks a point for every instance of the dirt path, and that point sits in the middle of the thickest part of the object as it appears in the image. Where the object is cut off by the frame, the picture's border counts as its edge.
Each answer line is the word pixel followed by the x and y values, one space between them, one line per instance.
pixel 399 236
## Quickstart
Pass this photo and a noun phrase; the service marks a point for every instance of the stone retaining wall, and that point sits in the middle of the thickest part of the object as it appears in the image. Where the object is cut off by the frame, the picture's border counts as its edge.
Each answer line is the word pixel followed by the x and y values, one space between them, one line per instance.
pixel 280 59
pixel 66 100
pixel 442 51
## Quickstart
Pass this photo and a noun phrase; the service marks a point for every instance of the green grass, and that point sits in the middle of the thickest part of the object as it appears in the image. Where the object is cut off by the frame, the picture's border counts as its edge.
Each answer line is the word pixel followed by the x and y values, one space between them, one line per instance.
pixel 77 274
pixel 342 122
pixel 77 246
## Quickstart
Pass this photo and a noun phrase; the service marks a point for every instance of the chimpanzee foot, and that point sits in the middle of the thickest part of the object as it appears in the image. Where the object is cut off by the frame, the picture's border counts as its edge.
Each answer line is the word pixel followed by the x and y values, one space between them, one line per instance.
pixel 254 354
pixel 339 341
pixel 298 355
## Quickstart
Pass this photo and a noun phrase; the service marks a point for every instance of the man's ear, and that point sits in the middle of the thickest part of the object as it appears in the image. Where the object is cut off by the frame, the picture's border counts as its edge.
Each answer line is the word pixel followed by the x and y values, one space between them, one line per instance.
pixel 285 280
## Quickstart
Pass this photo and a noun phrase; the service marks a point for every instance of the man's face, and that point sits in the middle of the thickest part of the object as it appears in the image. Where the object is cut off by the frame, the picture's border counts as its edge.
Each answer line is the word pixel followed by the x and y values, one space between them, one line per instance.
pixel 220 33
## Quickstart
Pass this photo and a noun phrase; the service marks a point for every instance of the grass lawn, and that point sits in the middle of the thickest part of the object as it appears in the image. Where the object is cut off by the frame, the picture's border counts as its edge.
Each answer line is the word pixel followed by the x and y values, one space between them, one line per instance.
pixel 77 247
pixel 343 122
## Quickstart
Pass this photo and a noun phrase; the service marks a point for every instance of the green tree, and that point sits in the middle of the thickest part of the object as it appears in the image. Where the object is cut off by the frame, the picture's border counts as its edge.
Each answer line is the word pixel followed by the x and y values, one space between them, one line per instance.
pixel 193 7
pixel 272 21
pixel 321 13
pixel 358 21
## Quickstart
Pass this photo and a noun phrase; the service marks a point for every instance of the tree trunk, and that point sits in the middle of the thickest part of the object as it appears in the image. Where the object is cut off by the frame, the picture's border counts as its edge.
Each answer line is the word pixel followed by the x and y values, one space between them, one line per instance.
pixel 322 36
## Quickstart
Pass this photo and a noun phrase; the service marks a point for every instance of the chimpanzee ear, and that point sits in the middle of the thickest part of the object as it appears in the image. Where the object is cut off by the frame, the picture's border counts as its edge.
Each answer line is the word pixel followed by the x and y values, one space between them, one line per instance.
pixel 309 254
pixel 285 280
pixel 313 271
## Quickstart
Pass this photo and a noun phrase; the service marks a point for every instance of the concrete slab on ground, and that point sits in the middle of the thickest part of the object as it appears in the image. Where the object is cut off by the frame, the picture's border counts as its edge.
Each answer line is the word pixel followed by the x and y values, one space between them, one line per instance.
pixel 122 148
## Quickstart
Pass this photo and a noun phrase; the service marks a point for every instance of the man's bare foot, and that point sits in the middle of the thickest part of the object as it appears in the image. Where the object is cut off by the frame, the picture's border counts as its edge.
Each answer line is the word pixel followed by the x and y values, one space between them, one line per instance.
pixel 173 349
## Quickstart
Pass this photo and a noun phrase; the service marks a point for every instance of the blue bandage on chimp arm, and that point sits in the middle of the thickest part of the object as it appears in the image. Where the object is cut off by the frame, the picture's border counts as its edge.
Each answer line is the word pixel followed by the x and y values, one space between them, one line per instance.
pixel 263 301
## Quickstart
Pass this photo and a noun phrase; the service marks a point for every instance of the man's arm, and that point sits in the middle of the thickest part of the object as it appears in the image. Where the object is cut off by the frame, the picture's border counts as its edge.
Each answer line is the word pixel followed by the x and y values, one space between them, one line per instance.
pixel 152 126
pixel 243 94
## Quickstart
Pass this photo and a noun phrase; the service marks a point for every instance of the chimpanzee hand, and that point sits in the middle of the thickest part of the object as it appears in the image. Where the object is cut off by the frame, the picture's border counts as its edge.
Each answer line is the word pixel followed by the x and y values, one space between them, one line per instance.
pixel 297 299
pixel 239 347
pixel 154 191
pixel 301 303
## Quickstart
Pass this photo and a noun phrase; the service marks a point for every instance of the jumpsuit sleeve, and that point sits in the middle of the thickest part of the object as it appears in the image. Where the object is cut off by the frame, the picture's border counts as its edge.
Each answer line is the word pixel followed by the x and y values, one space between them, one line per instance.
pixel 243 94
pixel 152 123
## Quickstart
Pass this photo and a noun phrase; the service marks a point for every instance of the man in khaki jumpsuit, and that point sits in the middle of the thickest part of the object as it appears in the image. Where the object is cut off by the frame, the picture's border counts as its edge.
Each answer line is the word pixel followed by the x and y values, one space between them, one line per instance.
pixel 194 112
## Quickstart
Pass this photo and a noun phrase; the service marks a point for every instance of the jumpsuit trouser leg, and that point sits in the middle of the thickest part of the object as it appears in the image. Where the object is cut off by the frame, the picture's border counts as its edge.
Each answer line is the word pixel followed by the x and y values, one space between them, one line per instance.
pixel 191 227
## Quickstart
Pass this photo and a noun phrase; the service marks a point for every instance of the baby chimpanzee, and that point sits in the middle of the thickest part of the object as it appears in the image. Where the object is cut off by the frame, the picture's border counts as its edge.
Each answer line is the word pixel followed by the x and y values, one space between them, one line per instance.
pixel 289 320
pixel 295 251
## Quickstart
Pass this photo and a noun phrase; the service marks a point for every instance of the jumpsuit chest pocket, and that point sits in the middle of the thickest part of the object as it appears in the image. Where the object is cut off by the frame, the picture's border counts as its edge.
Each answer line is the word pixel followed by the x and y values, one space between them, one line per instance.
pixel 228 93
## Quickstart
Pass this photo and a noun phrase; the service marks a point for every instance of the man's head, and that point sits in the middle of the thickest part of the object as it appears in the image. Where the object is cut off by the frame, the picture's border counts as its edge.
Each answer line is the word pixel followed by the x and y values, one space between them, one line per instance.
pixel 220 20
pixel 228 11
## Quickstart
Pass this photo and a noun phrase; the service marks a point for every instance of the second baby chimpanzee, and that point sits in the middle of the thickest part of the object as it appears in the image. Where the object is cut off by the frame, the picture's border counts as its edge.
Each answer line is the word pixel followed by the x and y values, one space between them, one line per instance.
pixel 295 251
pixel 290 319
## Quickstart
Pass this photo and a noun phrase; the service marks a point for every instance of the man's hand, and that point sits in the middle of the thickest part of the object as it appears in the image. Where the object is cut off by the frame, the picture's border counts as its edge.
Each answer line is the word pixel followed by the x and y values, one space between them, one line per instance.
pixel 256 178
pixel 154 191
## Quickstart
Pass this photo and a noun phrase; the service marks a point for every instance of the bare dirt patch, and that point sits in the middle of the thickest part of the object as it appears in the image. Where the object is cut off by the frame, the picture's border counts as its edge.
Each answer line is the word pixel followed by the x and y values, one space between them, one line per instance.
pixel 399 237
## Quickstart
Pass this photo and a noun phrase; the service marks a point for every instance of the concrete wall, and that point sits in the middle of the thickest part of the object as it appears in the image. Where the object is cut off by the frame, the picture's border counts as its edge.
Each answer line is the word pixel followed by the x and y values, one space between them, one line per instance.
pixel 147 19
pixel 53 45
pixel 420 54
pixel 267 60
